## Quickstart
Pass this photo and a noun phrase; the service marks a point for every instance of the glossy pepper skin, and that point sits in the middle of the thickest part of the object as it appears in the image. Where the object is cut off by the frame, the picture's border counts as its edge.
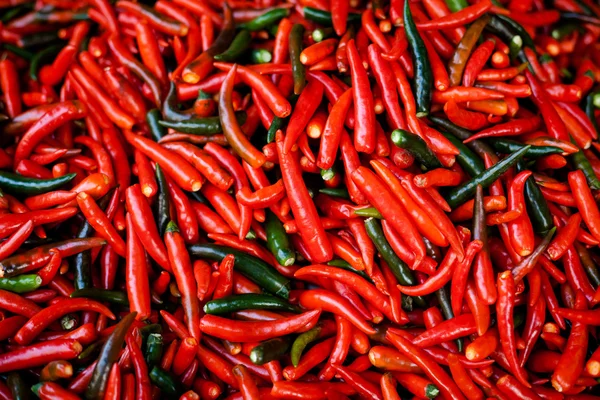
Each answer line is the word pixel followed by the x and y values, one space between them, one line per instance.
pixel 326 200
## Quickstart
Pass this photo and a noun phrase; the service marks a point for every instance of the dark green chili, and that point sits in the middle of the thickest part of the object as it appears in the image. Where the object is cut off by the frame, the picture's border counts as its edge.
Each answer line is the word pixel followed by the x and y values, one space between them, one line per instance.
pixel 465 191
pixel 321 34
pixel 507 146
pixel 157 131
pixel 423 82
pixel 467 159
pixel 265 20
pixel 108 356
pixel 537 207
pixel 324 17
pixel 163 201
pixel 295 45
pixel 164 381
pixel 336 192
pixel 40 57
pixel 237 48
pixel 270 350
pixel 14 183
pixel 170 109
pixel 154 349
pixel 201 126
pixel 581 162
pixel 417 147
pixel 261 56
pixel 110 296
pixel 18 387
pixel 81 262
pixel 278 242
pixel 252 267
pixel 248 301
pixel 479 147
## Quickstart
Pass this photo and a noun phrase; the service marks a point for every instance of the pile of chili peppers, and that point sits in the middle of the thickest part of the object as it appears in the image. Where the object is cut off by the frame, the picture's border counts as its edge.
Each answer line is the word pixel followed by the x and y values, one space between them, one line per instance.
pixel 321 199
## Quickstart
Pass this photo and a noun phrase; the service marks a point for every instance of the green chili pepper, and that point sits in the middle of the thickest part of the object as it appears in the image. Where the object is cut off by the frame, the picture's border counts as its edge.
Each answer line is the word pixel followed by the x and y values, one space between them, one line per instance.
pixel 236 49
pixel 254 268
pixel 321 34
pixel 14 183
pixel 108 356
pixel 154 349
pixel 581 162
pixel 248 301
pixel 479 147
pixel 164 381
pixel 432 391
pixel 170 110
pixel 462 193
pixel 337 262
pixel 277 240
pixel 369 212
pixel 68 322
pixel 17 386
pixel 467 159
pixel 588 264
pixel 261 56
pixel 336 192
pixel 45 16
pixel 507 146
pixel 324 17
pixel 90 350
pixel 157 131
pixel 27 55
pixel 270 350
pixel 518 29
pixel 589 108
pixel 40 57
pixel 13 12
pixel 578 18
pixel 110 296
pixel 163 201
pixel 201 126
pixel 278 122
pixel 265 20
pixel 456 5
pixel 81 262
pixel 417 147
pixel 295 45
pixel 562 31
pixel 423 82
pixel 515 46
pixel 301 342
pixel 398 267
pixel 38 39
pixel 21 284
pixel 537 207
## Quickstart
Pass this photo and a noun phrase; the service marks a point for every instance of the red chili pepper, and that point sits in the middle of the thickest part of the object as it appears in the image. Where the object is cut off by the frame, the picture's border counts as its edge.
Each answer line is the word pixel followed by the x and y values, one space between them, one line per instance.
pixel 322 299
pixel 45 317
pixel 182 269
pixel 311 229
pixel 504 310
pixel 391 209
pixel 364 138
pixel 9 82
pixel 245 331
pixel 427 364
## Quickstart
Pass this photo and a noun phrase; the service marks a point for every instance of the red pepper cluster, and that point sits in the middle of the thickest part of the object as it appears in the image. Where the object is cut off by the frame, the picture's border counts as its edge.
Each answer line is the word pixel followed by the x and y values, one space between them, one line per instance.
pixel 314 199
